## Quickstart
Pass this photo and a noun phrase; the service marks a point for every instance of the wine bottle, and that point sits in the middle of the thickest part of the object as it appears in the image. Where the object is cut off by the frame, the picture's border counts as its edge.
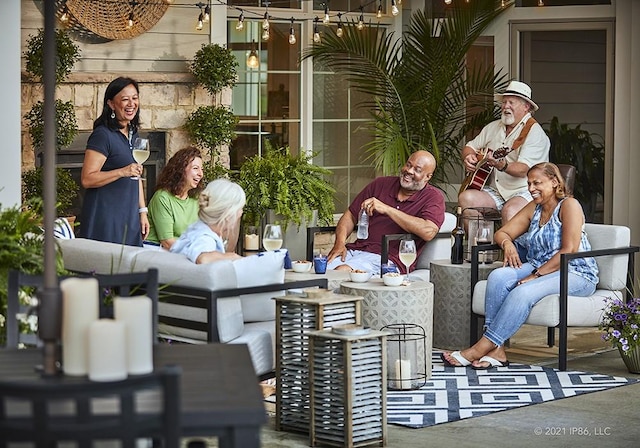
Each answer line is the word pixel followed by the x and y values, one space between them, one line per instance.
pixel 457 240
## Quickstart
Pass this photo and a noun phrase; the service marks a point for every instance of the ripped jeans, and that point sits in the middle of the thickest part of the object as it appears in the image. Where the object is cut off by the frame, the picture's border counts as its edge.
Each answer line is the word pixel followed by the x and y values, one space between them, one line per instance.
pixel 507 304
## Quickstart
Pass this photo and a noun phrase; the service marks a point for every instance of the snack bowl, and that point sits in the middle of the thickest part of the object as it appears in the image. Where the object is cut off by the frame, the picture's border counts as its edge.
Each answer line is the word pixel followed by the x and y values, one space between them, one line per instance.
pixel 392 279
pixel 359 276
pixel 301 266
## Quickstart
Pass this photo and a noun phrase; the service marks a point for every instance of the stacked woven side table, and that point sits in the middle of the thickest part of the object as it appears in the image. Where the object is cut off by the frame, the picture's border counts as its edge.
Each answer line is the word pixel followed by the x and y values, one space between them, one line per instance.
pixel 296 316
pixel 348 388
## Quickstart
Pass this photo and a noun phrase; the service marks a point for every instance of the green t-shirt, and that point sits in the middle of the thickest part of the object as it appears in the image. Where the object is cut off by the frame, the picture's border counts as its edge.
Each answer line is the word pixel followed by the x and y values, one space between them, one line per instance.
pixel 169 216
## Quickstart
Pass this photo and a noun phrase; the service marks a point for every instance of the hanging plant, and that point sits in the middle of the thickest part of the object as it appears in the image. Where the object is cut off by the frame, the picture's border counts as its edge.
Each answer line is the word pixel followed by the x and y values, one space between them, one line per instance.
pixel 211 126
pixel 66 124
pixel 215 67
pixel 67 54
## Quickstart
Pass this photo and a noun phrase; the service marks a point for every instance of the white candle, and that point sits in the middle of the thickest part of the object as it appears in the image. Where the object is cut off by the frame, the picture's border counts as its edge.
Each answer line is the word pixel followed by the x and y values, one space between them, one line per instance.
pixel 107 350
pixel 403 374
pixel 251 242
pixel 79 310
pixel 135 312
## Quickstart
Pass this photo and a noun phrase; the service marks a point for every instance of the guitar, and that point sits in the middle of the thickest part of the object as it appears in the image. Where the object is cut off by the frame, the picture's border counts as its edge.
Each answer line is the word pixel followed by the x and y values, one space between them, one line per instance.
pixel 476 179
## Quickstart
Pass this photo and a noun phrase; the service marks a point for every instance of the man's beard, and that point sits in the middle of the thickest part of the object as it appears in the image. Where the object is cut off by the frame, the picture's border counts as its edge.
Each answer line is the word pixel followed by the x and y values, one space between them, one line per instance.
pixel 411 184
pixel 507 119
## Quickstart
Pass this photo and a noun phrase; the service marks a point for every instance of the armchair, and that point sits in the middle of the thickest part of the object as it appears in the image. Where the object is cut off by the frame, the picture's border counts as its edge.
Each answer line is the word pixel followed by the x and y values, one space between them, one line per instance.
pixel 616 267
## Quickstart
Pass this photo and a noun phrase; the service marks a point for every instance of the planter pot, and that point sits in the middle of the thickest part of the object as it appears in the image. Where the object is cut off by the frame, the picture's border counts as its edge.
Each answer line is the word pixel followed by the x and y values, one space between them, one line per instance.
pixel 631 359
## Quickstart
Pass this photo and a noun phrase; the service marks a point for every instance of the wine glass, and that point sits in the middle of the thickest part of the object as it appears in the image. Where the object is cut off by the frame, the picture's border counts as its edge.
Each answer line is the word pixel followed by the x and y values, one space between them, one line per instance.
pixel 272 238
pixel 408 253
pixel 140 152
pixel 484 235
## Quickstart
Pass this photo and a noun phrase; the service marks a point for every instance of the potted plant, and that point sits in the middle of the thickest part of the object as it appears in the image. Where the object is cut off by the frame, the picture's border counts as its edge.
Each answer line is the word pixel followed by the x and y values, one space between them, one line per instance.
pixel 66 189
pixel 621 326
pixel 215 68
pixel 584 150
pixel 289 185
pixel 67 54
pixel 66 124
pixel 21 248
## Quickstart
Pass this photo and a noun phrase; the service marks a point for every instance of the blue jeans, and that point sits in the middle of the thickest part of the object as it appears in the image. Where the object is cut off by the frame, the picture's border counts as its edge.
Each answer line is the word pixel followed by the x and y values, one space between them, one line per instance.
pixel 507 304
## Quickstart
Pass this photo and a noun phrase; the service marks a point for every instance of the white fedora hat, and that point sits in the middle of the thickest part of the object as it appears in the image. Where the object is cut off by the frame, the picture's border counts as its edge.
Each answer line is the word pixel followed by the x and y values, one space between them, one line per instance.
pixel 519 89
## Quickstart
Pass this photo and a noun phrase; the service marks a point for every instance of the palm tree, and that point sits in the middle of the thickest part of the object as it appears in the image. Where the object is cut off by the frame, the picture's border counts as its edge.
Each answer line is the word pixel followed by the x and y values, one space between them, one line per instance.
pixel 422 94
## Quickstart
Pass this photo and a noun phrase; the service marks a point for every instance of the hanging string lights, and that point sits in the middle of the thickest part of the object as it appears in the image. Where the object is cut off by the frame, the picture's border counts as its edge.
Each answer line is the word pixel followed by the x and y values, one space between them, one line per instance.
pixel 326 20
pixel 253 61
pixel 339 31
pixel 292 34
pixel 316 33
pixel 240 24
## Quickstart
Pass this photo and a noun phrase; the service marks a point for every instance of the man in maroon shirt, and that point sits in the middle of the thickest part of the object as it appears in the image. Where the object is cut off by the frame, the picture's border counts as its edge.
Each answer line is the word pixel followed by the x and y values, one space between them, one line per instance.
pixel 395 204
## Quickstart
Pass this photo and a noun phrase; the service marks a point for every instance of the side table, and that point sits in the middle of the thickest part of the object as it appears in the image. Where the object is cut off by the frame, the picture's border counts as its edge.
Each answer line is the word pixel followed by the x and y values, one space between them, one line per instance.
pixel 452 302
pixel 385 305
pixel 334 278
pixel 296 316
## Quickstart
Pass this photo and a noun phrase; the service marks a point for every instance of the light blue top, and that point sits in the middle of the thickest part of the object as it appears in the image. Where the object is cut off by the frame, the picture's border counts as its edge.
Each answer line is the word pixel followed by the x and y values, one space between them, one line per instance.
pixel 543 242
pixel 198 238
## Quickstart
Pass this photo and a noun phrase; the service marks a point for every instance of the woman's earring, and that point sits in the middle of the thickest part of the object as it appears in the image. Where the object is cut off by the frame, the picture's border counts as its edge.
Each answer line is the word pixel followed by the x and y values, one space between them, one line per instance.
pixel 113 114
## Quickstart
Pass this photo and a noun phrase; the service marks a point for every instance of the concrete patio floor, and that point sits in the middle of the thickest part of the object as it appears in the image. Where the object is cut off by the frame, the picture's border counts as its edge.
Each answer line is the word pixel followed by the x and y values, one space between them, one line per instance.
pixel 611 416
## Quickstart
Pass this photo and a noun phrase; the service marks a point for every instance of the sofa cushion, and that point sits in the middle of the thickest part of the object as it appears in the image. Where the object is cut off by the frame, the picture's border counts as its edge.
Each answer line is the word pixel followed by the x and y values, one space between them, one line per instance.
pixel 84 255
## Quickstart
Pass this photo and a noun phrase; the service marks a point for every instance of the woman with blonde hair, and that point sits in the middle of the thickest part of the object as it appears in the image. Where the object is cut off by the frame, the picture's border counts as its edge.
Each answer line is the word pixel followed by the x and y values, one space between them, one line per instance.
pixel 215 235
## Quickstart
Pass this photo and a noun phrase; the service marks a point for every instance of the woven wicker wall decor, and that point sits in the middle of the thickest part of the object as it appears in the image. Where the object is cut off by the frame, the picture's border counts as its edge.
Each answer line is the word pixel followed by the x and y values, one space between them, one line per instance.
pixel 109 18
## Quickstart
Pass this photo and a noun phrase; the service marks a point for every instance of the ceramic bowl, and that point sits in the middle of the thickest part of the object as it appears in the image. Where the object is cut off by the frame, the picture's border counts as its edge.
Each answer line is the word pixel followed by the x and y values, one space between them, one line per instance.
pixel 359 277
pixel 301 266
pixel 392 279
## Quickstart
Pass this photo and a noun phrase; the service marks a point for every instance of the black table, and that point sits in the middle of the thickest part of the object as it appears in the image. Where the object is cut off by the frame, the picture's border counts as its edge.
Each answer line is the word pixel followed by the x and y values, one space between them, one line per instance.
pixel 220 392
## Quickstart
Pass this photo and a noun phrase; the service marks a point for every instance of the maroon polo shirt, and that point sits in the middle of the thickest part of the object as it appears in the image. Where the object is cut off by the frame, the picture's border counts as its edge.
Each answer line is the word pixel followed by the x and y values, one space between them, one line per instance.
pixel 427 203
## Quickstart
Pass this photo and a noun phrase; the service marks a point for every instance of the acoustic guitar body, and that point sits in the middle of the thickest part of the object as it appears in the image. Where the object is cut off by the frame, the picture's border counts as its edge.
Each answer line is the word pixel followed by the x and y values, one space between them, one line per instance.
pixel 476 179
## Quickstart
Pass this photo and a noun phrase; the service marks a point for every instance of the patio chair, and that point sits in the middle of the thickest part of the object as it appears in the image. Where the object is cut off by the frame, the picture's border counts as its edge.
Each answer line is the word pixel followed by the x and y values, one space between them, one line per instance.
pixel 614 255
pixel 45 411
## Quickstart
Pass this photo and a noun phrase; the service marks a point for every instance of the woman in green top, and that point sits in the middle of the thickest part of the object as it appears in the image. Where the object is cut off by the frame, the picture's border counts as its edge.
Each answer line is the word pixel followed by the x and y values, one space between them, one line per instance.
pixel 174 205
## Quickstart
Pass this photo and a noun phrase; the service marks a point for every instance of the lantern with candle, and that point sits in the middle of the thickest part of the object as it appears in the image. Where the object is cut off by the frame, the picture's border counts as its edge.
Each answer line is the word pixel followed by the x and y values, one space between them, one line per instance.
pixel 406 347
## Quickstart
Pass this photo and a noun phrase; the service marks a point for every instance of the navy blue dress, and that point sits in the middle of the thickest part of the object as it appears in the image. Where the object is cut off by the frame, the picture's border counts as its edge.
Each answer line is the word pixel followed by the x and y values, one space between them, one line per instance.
pixel 110 213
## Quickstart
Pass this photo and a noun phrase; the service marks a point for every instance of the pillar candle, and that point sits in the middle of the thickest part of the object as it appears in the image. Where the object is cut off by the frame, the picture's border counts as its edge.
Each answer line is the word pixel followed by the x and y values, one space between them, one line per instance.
pixel 403 374
pixel 135 312
pixel 107 350
pixel 251 242
pixel 79 309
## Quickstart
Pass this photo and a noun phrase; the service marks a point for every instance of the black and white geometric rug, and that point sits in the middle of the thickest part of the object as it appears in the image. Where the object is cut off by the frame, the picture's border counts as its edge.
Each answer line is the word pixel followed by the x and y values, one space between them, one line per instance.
pixel 456 393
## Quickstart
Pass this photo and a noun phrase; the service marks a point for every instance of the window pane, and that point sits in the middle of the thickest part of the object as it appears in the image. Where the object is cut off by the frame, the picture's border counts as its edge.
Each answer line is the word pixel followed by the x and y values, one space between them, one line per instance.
pixel 332 140
pixel 330 96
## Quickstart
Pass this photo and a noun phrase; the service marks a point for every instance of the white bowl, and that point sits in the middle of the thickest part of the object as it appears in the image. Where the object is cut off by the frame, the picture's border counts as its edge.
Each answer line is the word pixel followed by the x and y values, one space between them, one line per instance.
pixel 392 279
pixel 359 277
pixel 301 266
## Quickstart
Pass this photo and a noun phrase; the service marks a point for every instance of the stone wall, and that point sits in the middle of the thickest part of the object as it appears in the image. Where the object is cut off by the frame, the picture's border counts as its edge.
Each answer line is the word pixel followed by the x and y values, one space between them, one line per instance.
pixel 166 100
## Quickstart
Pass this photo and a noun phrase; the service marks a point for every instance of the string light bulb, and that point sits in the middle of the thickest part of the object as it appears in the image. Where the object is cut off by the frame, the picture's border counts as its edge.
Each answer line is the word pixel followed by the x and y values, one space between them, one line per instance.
pixel 326 18
pixel 339 31
pixel 502 3
pixel 379 13
pixel 130 20
pixel 394 8
pixel 207 13
pixel 64 18
pixel 540 3
pixel 316 33
pixel 240 24
pixel 252 60
pixel 265 21
pixel 360 24
pixel 200 23
pixel 292 34
pixel 447 2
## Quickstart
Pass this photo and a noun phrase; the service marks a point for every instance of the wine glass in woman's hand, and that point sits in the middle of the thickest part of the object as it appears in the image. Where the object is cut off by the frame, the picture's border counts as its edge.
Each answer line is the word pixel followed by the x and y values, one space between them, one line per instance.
pixel 140 152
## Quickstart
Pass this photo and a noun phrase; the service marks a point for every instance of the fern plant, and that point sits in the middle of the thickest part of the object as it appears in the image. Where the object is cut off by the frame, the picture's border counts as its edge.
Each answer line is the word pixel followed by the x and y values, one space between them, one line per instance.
pixel 290 185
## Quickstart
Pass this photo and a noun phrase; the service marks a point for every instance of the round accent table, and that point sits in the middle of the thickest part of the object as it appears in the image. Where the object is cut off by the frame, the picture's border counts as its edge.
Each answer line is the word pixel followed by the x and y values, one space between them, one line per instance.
pixel 452 301
pixel 385 305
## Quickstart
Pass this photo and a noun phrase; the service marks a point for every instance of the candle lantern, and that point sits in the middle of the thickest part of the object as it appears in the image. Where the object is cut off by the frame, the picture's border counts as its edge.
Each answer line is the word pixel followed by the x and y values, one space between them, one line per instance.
pixel 406 346
pixel 480 224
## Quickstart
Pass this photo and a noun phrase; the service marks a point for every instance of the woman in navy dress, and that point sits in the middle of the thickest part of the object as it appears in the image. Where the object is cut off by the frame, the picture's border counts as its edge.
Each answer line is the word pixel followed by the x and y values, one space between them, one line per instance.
pixel 114 208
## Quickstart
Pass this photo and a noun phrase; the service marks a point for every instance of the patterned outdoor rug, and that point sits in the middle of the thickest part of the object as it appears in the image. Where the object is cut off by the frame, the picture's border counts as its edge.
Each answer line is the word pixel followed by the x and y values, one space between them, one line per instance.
pixel 456 393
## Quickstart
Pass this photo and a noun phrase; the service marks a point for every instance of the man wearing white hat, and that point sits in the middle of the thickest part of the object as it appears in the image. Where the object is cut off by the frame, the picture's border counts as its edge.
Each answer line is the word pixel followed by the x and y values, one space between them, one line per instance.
pixel 497 160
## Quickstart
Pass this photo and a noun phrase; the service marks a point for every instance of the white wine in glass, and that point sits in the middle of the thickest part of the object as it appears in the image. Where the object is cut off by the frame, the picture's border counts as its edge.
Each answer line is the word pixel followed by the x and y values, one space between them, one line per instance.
pixel 140 152
pixel 407 253
pixel 272 238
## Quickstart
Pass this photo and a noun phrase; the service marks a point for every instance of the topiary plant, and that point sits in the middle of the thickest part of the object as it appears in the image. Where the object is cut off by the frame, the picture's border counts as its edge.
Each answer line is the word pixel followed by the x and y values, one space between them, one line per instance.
pixel 66 124
pixel 67 54
pixel 215 67
pixel 66 188
pixel 211 126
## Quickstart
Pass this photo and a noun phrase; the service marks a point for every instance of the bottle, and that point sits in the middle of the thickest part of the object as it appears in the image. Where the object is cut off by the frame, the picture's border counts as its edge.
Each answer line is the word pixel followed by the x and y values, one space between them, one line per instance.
pixel 457 241
pixel 363 225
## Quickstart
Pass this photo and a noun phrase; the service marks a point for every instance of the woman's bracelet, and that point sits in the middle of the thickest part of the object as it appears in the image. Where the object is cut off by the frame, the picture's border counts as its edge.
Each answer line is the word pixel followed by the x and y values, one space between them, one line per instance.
pixel 506 240
pixel 143 210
